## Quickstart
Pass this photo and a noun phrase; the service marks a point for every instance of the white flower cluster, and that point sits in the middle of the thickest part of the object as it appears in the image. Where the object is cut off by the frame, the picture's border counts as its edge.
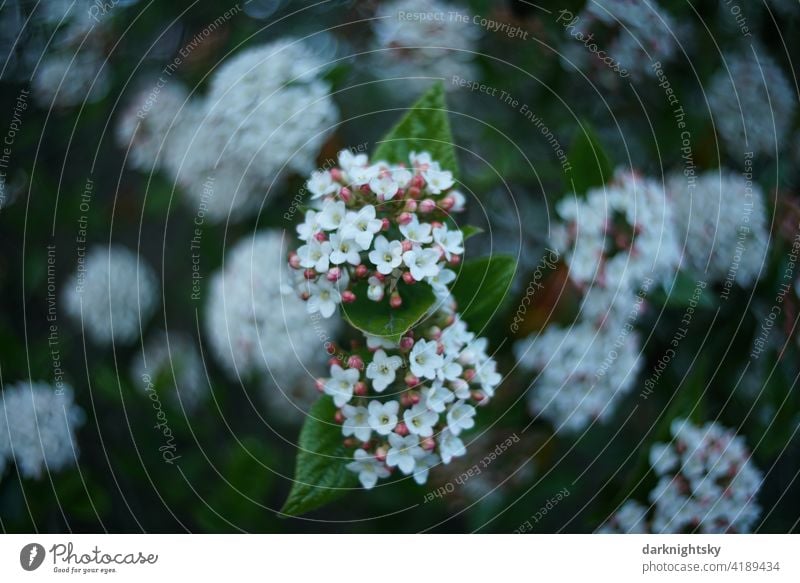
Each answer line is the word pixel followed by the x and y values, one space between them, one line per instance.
pixel 617 241
pixel 73 69
pixel 628 35
pixel 707 484
pixel 255 323
pixel 419 40
pixel 753 104
pixel 721 222
pixel 112 295
pixel 584 371
pixel 377 223
pixel 268 110
pixel 619 234
pixel 407 404
pixel 37 428
pixel 172 362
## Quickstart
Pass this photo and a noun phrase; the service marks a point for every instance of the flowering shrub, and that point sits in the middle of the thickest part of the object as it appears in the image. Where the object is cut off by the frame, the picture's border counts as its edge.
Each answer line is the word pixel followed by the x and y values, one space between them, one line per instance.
pixel 380 242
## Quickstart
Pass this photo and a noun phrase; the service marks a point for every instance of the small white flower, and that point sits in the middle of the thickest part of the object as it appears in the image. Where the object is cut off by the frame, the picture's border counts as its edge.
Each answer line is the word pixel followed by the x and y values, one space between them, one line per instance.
pixel 344 250
pixel 401 176
pixel 315 255
pixel 450 370
pixel 375 291
pixel 460 417
pixel 438 180
pixel 451 242
pixel 361 226
pixel 420 159
pixel 440 281
pixel 320 184
pixel 422 263
pixel 424 464
pixel 384 187
pixel 487 376
pixel 361 175
pixel 309 227
pixel 374 342
pixel 369 469
pixel 324 297
pixel 341 384
pixel 383 416
pixel 348 160
pixel 424 359
pixel 416 231
pixel 382 370
pixel 437 397
pixel 356 422
pixel 460 201
pixel 420 420
pixel 332 215
pixel 450 446
pixel 404 452
pixel 386 255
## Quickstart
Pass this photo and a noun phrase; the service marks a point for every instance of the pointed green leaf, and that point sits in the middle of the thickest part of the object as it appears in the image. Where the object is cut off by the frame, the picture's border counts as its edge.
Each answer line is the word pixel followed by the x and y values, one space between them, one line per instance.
pixel 481 287
pixel 425 127
pixel 380 319
pixel 591 166
pixel 470 231
pixel 320 474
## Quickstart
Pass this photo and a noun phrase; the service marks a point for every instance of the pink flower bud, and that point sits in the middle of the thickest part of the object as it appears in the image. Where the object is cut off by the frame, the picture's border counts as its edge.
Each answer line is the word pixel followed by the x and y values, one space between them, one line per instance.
pixel 469 374
pixel 450 319
pixel 411 206
pixel 333 360
pixel 408 278
pixel 435 332
pixel 407 245
pixel 336 174
pixel 427 206
pixel 404 218
pixel 338 417
pixel 294 260
pixel 321 237
pixel 401 429
pixel 304 296
pixel 411 380
pixel 436 224
pixel 439 348
pixel 428 444
pixel 360 389
pixel 350 442
pixel 405 400
pixel 379 276
pixel 395 300
pixel 355 361
pixel 386 223
pixel 447 203
pixel 345 194
pixel 310 273
pixel 320 384
pixel 348 297
pixel 365 188
pixel 415 398
pixel 478 396
pixel 455 259
pixel 380 454
pixel 334 274
pixel 414 192
pixel 361 270
pixel 407 342
pixel 417 181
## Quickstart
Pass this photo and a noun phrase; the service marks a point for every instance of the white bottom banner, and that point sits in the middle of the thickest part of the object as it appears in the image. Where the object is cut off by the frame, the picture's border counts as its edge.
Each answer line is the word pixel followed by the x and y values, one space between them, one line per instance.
pixel 402 558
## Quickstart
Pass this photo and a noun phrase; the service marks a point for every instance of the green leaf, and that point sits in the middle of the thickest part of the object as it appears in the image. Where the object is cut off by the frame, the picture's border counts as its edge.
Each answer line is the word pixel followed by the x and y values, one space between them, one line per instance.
pixel 683 291
pixel 320 475
pixel 470 231
pixel 480 288
pixel 590 164
pixel 425 127
pixel 380 319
